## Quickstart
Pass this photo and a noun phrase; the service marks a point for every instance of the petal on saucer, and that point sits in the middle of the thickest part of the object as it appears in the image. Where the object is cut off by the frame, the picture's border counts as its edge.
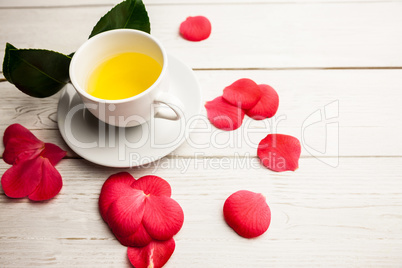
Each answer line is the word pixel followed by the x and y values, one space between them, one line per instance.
pixel 50 183
pixel 247 213
pixel 279 152
pixel 196 28
pixel 153 185
pixel 17 139
pixel 140 238
pixel 53 152
pixel 267 105
pixel 116 186
pixel 223 115
pixel 22 178
pixel 125 215
pixel 156 254
pixel 244 93
pixel 163 217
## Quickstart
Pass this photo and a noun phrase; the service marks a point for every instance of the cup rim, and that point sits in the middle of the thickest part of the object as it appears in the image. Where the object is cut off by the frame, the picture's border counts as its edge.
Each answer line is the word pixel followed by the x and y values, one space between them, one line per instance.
pixel 111 32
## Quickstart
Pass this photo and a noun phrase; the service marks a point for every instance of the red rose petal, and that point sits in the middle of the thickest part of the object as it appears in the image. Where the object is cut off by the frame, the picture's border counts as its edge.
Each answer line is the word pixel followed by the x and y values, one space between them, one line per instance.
pixel 163 217
pixel 139 211
pixel 279 152
pixel 140 238
pixel 22 178
pixel 196 28
pixel 53 152
pixel 33 173
pixel 124 215
pixel 223 115
pixel 247 213
pixel 244 93
pixel 28 155
pixel 153 185
pixel 19 132
pixel 17 139
pixel 154 255
pixel 267 105
pixel 116 186
pixel 50 183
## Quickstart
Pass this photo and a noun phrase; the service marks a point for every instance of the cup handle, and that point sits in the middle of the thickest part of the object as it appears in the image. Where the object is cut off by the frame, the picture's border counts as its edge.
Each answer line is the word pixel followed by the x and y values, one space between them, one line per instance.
pixel 168 107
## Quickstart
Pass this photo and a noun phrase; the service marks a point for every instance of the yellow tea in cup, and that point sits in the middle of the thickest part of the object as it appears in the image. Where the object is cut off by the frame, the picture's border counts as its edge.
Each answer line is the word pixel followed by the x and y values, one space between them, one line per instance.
pixel 123 76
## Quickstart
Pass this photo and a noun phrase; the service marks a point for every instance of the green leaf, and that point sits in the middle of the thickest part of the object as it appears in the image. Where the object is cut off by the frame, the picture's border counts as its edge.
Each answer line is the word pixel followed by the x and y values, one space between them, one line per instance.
pixel 129 14
pixel 6 72
pixel 36 72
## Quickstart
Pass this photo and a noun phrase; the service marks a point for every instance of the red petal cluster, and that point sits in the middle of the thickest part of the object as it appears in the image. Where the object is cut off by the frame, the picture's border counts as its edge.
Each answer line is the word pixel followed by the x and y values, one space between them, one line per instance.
pixel 142 215
pixel 247 213
pixel 242 97
pixel 33 173
pixel 196 28
pixel 279 152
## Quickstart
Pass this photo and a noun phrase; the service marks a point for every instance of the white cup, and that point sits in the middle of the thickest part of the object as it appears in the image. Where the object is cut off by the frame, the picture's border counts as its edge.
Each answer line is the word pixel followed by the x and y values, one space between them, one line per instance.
pixel 155 101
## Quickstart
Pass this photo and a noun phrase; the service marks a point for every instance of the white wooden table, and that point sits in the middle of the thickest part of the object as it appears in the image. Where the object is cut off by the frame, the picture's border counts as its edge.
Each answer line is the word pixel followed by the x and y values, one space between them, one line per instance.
pixel 341 208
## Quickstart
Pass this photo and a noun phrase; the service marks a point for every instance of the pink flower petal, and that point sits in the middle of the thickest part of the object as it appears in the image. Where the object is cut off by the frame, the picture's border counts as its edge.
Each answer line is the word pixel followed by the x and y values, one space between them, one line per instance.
pixel 116 186
pixel 223 115
pixel 53 152
pixel 267 105
pixel 22 178
pixel 163 217
pixel 124 215
pixel 154 255
pixel 17 139
pixel 140 238
pixel 243 93
pixel 279 152
pixel 247 213
pixel 50 183
pixel 153 185
pixel 196 28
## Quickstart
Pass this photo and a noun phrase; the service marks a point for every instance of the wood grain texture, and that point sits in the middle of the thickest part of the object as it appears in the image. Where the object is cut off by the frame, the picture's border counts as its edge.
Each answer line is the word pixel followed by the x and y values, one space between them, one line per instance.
pixel 316 35
pixel 369 106
pixel 314 53
pixel 342 217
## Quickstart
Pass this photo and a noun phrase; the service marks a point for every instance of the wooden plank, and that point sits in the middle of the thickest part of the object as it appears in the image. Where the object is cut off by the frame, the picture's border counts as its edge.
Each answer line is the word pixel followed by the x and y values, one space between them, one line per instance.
pixel 244 35
pixel 321 216
pixel 368 109
pixel 59 3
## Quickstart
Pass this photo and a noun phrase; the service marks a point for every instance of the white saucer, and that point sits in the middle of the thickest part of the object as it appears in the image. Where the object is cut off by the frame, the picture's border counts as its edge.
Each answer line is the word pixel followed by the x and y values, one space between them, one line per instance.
pixel 111 146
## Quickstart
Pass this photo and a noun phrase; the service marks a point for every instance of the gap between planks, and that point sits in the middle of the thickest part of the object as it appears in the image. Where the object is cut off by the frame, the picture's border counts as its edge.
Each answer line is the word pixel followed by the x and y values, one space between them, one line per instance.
pixel 288 69
pixel 302 68
pixel 169 157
